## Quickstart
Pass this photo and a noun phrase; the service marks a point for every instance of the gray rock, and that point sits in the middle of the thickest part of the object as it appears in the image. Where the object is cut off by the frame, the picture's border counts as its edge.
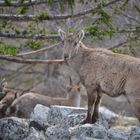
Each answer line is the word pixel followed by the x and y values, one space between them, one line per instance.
pixel 116 134
pixel 58 132
pixel 107 118
pixel 73 119
pixel 40 115
pixel 61 130
pixel 107 113
pixel 62 123
pixel 35 135
pixel 58 113
pixel 88 131
pixel 135 133
pixel 14 128
pixel 85 138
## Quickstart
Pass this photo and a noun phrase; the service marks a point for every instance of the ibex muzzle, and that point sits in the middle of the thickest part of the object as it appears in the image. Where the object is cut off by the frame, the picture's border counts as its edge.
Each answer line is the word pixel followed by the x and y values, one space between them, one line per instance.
pixel 71 42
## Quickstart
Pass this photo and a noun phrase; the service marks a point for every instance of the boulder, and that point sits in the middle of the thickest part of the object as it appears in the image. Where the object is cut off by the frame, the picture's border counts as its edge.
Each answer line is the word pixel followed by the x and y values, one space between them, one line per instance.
pixel 35 135
pixel 61 130
pixel 116 134
pixel 14 128
pixel 39 117
pixel 63 123
pixel 58 113
pixel 88 131
pixel 135 133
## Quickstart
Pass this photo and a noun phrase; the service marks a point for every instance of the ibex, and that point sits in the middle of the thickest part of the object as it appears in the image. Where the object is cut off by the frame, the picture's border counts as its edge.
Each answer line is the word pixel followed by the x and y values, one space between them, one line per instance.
pixel 102 72
pixel 24 105
pixel 2 87
pixel 8 96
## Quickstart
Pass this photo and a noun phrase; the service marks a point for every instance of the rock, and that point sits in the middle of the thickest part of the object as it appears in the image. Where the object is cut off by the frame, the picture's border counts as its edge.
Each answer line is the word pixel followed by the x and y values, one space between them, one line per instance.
pixel 58 113
pixel 107 117
pixel 135 133
pixel 39 117
pixel 88 131
pixel 61 130
pixel 85 138
pixel 35 135
pixel 13 128
pixel 63 123
pixel 58 133
pixel 73 119
pixel 116 134
pixel 107 113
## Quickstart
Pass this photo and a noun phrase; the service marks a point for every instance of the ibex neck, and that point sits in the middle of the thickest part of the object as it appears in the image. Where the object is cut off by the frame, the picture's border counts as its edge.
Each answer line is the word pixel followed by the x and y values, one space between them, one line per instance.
pixel 86 48
pixel 75 99
pixel 77 59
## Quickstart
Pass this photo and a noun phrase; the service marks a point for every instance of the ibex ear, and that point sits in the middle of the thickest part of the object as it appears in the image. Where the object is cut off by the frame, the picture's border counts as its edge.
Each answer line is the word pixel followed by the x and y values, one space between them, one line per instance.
pixel 81 35
pixel 78 88
pixel 61 33
pixel 3 83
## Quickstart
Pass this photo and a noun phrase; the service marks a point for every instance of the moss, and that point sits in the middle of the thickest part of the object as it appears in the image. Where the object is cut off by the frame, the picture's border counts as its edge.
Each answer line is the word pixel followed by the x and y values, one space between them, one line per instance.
pixel 7 2
pixel 41 16
pixel 34 44
pixel 125 124
pixel 22 10
pixel 7 49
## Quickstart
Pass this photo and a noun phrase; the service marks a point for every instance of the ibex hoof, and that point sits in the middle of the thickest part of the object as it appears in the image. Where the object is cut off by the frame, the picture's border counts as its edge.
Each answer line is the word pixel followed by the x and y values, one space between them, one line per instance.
pixel 85 121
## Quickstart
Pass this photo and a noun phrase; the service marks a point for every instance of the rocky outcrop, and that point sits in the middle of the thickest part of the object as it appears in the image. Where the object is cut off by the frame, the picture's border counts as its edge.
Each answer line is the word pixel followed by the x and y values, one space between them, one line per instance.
pixel 63 123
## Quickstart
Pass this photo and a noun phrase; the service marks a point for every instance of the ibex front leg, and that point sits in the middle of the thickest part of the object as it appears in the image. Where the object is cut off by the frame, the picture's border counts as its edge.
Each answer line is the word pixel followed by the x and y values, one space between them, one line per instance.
pixel 90 112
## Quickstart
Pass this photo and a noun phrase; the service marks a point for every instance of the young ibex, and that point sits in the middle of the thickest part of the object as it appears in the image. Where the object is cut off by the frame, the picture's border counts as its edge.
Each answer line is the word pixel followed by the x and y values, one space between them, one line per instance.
pixel 2 87
pixel 24 105
pixel 102 71
pixel 8 97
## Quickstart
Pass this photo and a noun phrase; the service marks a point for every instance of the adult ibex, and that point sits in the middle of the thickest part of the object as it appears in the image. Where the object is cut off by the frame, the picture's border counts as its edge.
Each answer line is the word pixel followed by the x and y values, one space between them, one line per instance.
pixel 24 105
pixel 102 71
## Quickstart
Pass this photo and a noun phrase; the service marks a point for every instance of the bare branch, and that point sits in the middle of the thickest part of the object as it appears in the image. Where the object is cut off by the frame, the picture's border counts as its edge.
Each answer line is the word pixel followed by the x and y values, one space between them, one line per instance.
pixel 57 17
pixel 122 43
pixel 118 45
pixel 21 72
pixel 130 17
pixel 128 31
pixel 18 90
pixel 31 61
pixel 40 50
pixel 26 3
pixel 12 35
pixel 54 36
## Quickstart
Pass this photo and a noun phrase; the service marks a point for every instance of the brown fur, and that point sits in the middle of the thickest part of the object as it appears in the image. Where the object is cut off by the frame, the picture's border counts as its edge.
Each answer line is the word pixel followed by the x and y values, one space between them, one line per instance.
pixel 102 71
pixel 8 97
pixel 2 87
pixel 24 105
pixel 6 102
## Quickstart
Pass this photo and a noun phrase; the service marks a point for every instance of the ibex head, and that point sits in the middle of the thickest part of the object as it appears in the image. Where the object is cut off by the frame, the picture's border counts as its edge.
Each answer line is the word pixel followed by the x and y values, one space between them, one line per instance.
pixel 3 84
pixel 71 42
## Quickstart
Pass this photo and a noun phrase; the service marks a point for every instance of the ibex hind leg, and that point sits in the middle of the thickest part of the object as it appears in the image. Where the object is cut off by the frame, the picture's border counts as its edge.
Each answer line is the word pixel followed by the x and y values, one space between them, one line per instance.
pixel 95 115
pixel 137 108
